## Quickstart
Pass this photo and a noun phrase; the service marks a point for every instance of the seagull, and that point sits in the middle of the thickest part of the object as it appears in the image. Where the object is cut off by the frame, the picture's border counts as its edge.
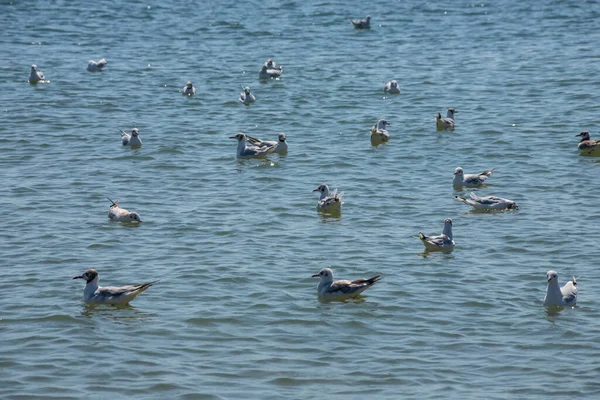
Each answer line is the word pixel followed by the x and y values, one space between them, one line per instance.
pixel 329 201
pixel 268 73
pixel 587 144
pixel 470 180
pixel 362 23
pixel 557 296
pixel 340 290
pixel 392 87
pixel 189 89
pixel 246 97
pixel 281 145
pixel 488 202
pixel 95 66
pixel 442 242
pixel 243 150
pixel 378 132
pixel 131 139
pixel 119 214
pixel 109 295
pixel 445 123
pixel 270 64
pixel 36 76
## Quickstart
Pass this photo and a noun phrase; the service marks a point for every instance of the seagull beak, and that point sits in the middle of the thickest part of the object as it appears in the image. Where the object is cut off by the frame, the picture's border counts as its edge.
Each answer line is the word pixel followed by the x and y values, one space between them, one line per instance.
pixel 232 137
pixel 316 190
pixel 549 279
pixel 78 277
pixel 314 276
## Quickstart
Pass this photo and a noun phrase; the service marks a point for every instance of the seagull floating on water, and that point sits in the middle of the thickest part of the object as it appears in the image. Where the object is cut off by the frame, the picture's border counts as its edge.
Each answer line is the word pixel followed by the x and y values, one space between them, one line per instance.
pixel 328 289
pixel 379 134
pixel 447 123
pixel 246 97
pixel 281 145
pixel 119 214
pixel 557 296
pixel 470 180
pixel 329 201
pixel 243 150
pixel 109 295
pixel 36 76
pixel 488 202
pixel 189 89
pixel 131 138
pixel 268 73
pixel 442 242
pixel 392 87
pixel 96 66
pixel 586 145
pixel 362 23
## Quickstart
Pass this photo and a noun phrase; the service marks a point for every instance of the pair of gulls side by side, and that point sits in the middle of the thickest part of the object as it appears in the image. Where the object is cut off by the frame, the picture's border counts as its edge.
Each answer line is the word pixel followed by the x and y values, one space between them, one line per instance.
pixel 447 123
pixel 329 201
pixel 270 70
pixel 131 138
pixel 379 134
pixel 96 66
pixel 362 23
pixel 443 242
pixel 118 214
pixel 257 147
pixel 95 294
pixel 328 289
pixel 392 87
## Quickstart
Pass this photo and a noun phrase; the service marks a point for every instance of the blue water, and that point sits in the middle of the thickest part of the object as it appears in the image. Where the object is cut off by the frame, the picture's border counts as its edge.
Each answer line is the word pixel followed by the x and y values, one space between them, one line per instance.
pixel 234 243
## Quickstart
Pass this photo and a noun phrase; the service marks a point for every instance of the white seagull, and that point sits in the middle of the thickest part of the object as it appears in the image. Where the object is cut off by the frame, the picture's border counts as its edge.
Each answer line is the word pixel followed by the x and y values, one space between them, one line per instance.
pixel 246 97
pixel 470 180
pixel 362 23
pixel 109 295
pixel 36 76
pixel 243 150
pixel 118 214
pixel 268 73
pixel 392 87
pixel 442 242
pixel 95 66
pixel 328 289
pixel 557 296
pixel 488 202
pixel 281 145
pixel 131 138
pixel 188 89
pixel 445 123
pixel 378 132
pixel 329 201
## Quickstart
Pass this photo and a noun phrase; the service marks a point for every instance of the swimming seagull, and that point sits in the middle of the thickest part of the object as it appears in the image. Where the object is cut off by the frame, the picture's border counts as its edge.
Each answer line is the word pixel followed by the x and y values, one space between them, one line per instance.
pixel 587 144
pixel 36 76
pixel 243 150
pixel 379 134
pixel 328 289
pixel 557 296
pixel 95 66
pixel 447 123
pixel 442 242
pixel 329 201
pixel 118 214
pixel 109 295
pixel 470 180
pixel 362 23
pixel 488 202
pixel 246 97
pixel 392 87
pixel 131 138
pixel 189 89
pixel 268 73
pixel 281 145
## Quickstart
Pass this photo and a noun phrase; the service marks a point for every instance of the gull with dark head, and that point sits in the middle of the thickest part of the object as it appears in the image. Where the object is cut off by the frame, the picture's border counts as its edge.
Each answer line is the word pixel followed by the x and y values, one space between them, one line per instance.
pixel 188 89
pixel 362 23
pixel 392 87
pixel 488 203
pixel 328 289
pixel 443 242
pixel 379 134
pixel 470 180
pixel 109 295
pixel 35 75
pixel 281 145
pixel 447 123
pixel 330 201
pixel 132 138
pixel 560 296
pixel 96 66
pixel 246 97
pixel 268 73
pixel 587 146
pixel 118 214
pixel 245 150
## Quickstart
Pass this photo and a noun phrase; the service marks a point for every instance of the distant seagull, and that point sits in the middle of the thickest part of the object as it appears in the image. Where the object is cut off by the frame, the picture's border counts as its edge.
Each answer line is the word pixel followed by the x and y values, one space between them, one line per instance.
pixel 131 138
pixel 246 97
pixel 270 64
pixel 243 150
pixel 268 73
pixel 328 289
pixel 109 295
pixel 557 296
pixel 442 242
pixel 447 123
pixel 362 23
pixel 95 66
pixel 189 89
pixel 281 145
pixel 36 76
pixel 119 214
pixel 392 87
pixel 329 201
pixel 379 134
pixel 488 202
pixel 587 145
pixel 470 180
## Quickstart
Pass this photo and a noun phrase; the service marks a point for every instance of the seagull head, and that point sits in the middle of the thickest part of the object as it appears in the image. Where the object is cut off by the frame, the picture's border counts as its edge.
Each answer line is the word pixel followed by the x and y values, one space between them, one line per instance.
pixel 585 135
pixel 326 275
pixel 368 18
pixel 322 189
pixel 382 123
pixel 270 63
pixel 552 276
pixel 247 90
pixel 134 217
pixel 134 132
pixel 240 136
pixel 88 275
pixel 34 67
pixel 458 171
pixel 448 221
pixel 189 84
pixel 451 112
pixel 281 137
pixel 393 83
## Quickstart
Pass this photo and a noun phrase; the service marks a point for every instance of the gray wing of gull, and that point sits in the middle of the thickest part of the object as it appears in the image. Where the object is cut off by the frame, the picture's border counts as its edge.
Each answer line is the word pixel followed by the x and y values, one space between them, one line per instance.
pixel 112 293
pixel 349 287
pixel 569 292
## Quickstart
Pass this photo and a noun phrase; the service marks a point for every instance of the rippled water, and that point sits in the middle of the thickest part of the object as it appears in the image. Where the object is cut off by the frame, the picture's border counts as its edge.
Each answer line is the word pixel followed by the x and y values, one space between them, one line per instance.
pixel 234 243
